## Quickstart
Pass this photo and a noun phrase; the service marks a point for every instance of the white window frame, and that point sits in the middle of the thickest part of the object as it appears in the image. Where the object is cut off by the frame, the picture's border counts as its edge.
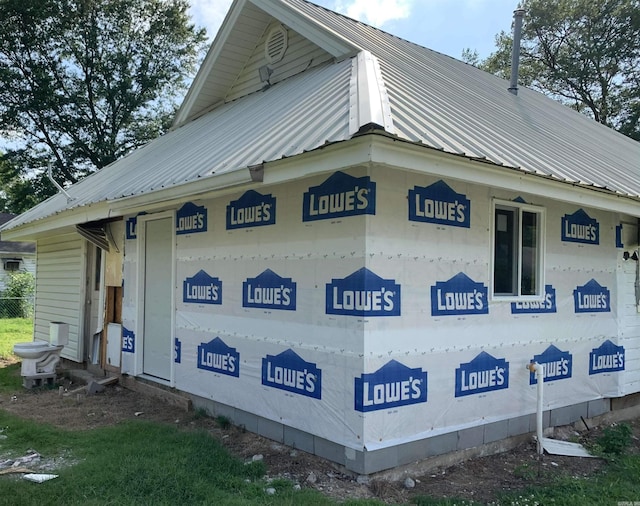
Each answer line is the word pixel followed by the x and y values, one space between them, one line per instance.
pixel 520 208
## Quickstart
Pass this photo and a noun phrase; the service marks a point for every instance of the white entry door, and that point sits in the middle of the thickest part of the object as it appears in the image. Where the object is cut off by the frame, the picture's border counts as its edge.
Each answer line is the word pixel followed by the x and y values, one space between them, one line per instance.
pixel 158 297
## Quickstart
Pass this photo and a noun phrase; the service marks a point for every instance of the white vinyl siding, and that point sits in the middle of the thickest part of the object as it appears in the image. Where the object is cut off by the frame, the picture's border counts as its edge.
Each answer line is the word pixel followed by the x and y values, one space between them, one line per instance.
pixel 59 287
pixel 300 55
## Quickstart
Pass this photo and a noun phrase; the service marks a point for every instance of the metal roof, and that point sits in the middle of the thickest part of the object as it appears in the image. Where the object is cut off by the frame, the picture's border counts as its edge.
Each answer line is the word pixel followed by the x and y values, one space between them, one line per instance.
pixel 447 104
pixel 419 95
pixel 295 116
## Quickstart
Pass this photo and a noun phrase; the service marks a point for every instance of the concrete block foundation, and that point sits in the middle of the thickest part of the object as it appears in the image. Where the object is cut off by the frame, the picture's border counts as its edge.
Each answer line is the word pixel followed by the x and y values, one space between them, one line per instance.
pixel 440 450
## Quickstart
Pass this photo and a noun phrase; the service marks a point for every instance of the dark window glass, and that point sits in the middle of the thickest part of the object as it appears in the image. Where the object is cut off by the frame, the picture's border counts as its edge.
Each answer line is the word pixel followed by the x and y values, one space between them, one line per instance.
pixel 505 267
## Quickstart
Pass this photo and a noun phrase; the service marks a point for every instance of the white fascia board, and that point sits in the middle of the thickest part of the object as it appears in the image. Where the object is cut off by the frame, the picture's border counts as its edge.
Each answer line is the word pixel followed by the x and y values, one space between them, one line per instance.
pixel 63 222
pixel 332 157
pixel 169 197
pixel 402 154
pixel 202 76
pixel 369 101
pixel 336 45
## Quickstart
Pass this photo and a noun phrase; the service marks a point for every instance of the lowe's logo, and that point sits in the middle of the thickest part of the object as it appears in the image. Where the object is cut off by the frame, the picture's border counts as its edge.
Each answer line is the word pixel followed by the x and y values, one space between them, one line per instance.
pixel 269 291
pixel 363 293
pixel 556 364
pixel 252 209
pixel 606 358
pixel 128 340
pixel 483 374
pixel 191 219
pixel 458 296
pixel 580 227
pixel 340 195
pixel 216 356
pixel 439 204
pixel 592 298
pixel 202 289
pixel 393 385
pixel 131 226
pixel 287 371
pixel 546 305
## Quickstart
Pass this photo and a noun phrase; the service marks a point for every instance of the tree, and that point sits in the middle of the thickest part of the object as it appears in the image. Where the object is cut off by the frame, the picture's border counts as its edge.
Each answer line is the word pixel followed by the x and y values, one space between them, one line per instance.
pixel 584 53
pixel 83 82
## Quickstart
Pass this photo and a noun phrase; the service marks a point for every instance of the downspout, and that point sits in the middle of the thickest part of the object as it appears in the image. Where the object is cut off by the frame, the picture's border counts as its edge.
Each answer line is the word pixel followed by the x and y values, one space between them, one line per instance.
pixel 518 14
pixel 57 185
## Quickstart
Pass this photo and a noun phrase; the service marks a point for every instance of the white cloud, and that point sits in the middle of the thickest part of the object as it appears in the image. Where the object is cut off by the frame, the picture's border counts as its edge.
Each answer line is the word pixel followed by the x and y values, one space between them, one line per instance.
pixel 210 14
pixel 375 12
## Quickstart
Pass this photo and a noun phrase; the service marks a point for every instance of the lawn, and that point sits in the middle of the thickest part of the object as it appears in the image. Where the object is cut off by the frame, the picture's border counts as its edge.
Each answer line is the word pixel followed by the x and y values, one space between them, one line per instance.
pixel 139 463
pixel 14 330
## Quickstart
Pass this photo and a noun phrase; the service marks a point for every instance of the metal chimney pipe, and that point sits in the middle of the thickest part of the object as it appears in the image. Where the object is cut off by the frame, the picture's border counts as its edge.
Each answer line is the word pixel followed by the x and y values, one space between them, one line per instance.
pixel 518 14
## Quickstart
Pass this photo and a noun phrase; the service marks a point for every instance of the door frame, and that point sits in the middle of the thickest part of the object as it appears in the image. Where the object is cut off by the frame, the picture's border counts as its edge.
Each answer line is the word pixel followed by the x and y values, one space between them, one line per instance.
pixel 141 260
pixel 92 351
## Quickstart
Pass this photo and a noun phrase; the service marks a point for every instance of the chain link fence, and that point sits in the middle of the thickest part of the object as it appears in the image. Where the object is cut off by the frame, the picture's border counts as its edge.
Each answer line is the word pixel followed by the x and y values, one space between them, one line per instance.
pixel 16 307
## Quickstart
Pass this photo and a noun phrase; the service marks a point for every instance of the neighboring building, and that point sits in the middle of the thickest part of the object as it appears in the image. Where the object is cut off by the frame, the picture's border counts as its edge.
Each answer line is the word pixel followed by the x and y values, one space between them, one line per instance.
pixel 15 256
pixel 354 245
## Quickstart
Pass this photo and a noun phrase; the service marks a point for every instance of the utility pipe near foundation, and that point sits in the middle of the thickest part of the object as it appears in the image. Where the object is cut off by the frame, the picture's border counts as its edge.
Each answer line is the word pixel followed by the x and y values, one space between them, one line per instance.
pixel 538 369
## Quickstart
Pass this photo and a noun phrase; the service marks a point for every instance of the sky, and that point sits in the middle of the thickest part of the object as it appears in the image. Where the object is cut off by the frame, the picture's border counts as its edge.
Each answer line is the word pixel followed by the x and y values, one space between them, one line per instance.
pixel 447 26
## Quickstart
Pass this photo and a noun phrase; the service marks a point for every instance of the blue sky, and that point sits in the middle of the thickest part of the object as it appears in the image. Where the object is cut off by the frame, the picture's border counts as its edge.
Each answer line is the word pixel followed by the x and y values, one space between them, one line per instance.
pixel 447 26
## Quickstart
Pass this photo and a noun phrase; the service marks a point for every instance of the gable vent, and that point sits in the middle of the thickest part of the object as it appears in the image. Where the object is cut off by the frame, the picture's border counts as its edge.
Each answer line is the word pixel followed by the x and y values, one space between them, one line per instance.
pixel 276 44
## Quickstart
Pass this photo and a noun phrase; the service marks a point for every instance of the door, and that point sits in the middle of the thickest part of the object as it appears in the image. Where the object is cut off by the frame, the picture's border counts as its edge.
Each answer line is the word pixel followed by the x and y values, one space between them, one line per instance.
pixel 158 297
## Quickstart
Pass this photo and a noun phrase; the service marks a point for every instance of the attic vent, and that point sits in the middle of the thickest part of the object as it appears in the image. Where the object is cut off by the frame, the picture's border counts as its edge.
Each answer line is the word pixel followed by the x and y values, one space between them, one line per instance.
pixel 276 44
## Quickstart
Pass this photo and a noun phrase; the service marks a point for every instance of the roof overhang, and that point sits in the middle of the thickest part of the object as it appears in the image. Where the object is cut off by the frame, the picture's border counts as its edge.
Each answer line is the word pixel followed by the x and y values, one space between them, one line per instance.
pixel 66 221
pixel 380 148
pixel 367 149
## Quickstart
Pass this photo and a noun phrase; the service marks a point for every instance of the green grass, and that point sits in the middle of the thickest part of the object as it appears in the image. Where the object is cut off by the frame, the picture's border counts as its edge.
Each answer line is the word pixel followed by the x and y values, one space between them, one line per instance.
pixel 616 483
pixel 139 463
pixel 10 379
pixel 14 330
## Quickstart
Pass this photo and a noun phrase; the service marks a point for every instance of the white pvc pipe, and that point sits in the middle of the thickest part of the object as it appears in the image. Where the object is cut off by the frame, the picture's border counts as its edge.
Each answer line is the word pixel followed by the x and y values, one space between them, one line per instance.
pixel 539 371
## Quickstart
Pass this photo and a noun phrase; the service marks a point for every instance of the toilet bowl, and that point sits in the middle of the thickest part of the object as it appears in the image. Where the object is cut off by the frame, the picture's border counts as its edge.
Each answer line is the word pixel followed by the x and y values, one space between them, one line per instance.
pixel 35 350
pixel 38 357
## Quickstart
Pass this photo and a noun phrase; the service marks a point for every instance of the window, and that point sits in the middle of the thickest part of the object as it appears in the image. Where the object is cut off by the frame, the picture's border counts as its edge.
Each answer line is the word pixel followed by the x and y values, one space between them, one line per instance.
pixel 11 265
pixel 518 245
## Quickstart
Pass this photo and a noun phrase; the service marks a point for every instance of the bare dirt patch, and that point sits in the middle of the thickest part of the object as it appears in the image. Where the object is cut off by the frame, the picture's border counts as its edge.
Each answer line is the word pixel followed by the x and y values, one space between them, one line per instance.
pixel 480 479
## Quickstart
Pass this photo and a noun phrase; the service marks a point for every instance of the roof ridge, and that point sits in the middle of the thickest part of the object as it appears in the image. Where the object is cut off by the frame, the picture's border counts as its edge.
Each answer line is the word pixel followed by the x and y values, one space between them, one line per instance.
pixel 369 101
